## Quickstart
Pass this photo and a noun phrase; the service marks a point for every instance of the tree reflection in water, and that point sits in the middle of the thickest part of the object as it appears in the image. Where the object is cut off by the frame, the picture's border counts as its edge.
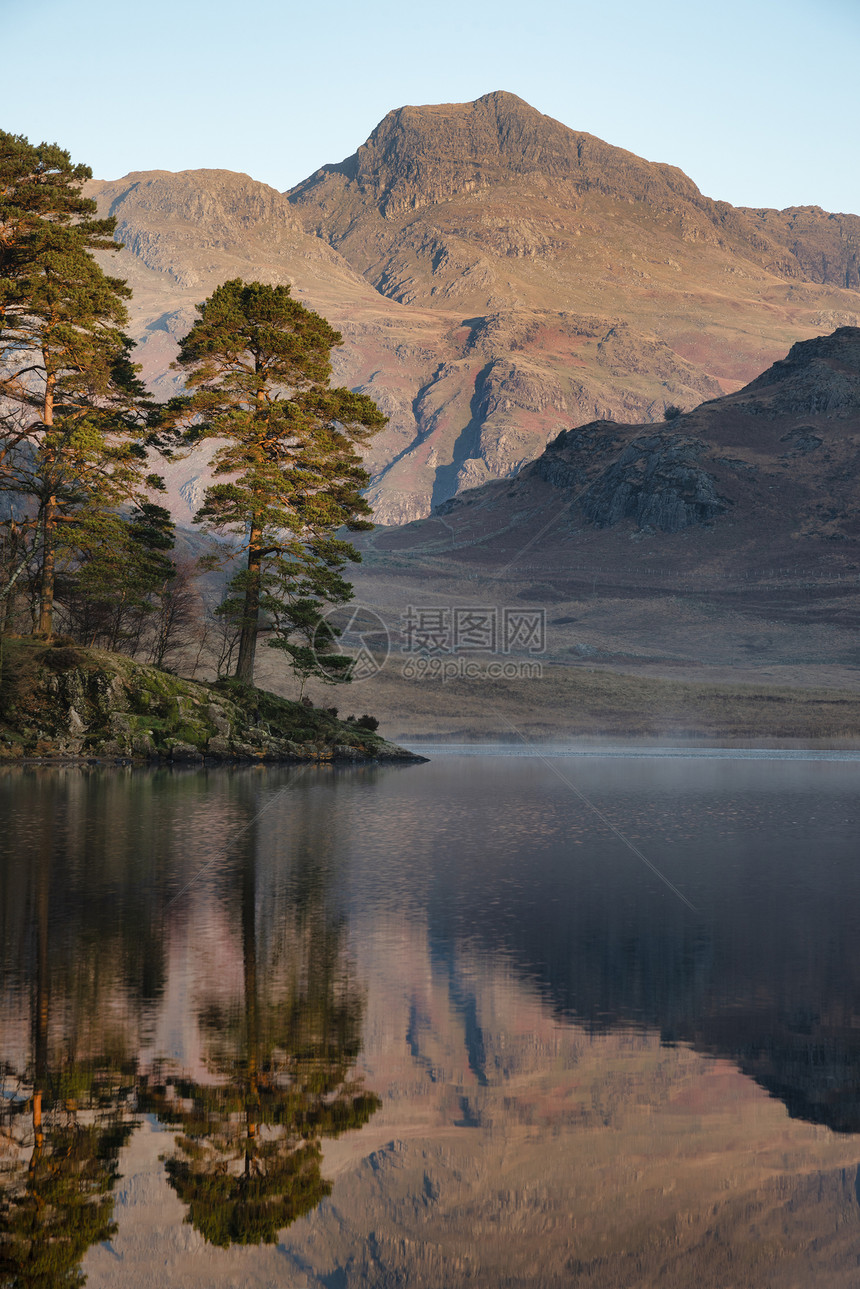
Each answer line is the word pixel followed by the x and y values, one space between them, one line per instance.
pixel 64 1117
pixel 85 916
pixel 248 1158
pixel 59 1203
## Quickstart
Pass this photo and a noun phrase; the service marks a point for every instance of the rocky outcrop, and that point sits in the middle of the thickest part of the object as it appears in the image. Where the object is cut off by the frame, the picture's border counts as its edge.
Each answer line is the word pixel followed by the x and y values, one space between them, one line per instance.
pixel 61 701
pixel 826 246
pixel 655 480
pixel 758 486
pixel 817 376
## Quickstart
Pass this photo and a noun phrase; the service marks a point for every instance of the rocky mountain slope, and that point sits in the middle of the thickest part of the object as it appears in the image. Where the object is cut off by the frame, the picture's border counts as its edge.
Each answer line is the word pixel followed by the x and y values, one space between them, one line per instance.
pixel 497 277
pixel 777 462
pixel 721 545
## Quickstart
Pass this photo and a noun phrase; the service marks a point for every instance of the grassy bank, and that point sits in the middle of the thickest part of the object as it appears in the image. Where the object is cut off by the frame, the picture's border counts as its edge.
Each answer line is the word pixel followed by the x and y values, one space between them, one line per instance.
pixel 575 701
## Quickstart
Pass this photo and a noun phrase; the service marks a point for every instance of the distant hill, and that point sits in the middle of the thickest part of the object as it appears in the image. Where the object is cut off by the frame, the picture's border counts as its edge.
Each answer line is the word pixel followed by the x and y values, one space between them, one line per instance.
pixel 720 545
pixel 497 277
pixel 772 468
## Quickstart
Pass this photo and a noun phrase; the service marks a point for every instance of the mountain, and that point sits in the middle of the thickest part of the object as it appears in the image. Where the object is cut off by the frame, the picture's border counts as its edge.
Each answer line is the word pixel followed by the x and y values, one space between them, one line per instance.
pixel 496 180
pixel 185 233
pixel 497 277
pixel 772 468
pixel 721 545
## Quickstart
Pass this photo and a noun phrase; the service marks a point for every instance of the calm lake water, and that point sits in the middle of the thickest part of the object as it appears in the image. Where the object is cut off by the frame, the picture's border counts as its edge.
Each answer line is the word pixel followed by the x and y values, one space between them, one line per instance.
pixel 490 1021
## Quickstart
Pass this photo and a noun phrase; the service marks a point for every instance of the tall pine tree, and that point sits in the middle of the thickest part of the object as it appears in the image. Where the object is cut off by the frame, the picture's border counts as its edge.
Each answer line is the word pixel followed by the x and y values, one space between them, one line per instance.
pixel 72 420
pixel 258 365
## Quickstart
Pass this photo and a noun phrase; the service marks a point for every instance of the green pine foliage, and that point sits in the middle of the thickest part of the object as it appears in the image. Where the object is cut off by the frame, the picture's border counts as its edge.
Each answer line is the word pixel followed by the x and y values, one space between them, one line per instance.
pixel 73 427
pixel 258 367
pixel 250 1207
pixel 118 573
pixel 63 1206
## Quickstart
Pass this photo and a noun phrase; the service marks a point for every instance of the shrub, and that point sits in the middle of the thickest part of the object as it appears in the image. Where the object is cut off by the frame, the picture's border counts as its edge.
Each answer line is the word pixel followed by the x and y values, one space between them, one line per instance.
pixel 63 658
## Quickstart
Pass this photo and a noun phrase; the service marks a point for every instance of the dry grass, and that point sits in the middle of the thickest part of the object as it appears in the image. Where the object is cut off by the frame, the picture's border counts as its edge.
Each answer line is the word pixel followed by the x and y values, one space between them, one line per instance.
pixel 572 701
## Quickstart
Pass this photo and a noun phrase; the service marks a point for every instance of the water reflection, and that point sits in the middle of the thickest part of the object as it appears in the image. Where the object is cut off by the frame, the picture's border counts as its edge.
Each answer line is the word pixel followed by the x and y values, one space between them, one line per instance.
pixel 59 1201
pixel 766 973
pixel 248 1157
pixel 89 920
pixel 66 1104
pixel 555 1051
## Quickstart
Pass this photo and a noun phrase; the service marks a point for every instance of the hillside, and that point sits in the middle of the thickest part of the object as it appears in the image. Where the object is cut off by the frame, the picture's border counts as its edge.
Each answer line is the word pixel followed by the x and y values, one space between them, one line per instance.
pixel 497 277
pixel 185 233
pixel 514 183
pixel 722 546
pixel 771 471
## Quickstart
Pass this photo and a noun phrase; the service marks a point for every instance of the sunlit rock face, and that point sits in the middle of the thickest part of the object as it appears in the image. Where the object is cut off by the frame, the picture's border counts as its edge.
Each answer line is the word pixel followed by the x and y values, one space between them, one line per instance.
pixel 497 277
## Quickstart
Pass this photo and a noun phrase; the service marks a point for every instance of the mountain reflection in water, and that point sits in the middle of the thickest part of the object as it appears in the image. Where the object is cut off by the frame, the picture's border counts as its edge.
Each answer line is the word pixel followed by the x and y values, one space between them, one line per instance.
pixel 85 974
pixel 430 1024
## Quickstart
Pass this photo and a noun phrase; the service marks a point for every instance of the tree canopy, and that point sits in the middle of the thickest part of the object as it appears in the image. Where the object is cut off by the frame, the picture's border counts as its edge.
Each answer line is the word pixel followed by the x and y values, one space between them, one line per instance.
pixel 73 413
pixel 258 365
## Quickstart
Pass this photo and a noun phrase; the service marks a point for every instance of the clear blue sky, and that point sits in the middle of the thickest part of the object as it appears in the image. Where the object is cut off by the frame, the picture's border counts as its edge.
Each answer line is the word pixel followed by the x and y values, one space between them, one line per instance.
pixel 755 99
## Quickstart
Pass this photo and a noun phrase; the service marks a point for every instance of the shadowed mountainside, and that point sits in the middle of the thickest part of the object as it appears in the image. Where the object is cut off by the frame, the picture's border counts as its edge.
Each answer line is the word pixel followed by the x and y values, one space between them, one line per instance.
pixel 779 461
pixel 722 545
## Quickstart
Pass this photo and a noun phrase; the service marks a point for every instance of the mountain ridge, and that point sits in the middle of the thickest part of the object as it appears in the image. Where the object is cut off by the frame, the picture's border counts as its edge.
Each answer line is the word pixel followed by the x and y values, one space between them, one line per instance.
pixel 496 277
pixel 793 430
pixel 396 170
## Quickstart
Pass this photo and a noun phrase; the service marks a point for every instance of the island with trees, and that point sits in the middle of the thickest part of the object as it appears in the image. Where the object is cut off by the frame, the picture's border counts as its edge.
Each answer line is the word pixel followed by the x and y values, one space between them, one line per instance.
pixel 103 632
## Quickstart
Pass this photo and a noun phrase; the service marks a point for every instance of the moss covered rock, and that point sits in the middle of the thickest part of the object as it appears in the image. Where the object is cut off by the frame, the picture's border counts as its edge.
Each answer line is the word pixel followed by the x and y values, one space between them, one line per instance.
pixel 60 701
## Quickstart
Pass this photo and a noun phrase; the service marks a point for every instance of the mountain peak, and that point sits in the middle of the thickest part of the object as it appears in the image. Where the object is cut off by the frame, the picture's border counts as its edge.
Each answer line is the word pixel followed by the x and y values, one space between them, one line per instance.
pixel 505 99
pixel 418 156
pixel 422 156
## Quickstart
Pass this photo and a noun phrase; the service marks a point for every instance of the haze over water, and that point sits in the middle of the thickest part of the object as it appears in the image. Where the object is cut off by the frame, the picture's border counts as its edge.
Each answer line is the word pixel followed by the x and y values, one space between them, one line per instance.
pixel 437 1024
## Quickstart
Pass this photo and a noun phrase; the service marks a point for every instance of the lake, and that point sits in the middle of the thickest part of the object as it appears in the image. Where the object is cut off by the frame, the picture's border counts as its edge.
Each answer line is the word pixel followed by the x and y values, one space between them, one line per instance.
pixel 495 1020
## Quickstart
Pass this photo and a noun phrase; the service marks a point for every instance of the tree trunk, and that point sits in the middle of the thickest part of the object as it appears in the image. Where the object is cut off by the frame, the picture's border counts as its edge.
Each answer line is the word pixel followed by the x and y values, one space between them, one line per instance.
pixel 46 593
pixel 251 611
pixel 19 567
pixel 40 1010
pixel 49 524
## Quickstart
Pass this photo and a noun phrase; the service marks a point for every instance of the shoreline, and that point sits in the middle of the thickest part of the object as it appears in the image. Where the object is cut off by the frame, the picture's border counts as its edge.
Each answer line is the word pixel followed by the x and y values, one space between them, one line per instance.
pixel 398 756
pixel 64 704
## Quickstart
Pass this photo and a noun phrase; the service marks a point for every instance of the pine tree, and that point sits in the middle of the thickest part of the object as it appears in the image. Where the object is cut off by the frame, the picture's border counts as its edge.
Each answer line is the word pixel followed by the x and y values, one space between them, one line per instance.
pixel 119 573
pixel 258 366
pixel 72 418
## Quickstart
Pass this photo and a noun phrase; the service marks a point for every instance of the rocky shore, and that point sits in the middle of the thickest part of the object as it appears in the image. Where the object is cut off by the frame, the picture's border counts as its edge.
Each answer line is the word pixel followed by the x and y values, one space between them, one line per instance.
pixel 61 702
